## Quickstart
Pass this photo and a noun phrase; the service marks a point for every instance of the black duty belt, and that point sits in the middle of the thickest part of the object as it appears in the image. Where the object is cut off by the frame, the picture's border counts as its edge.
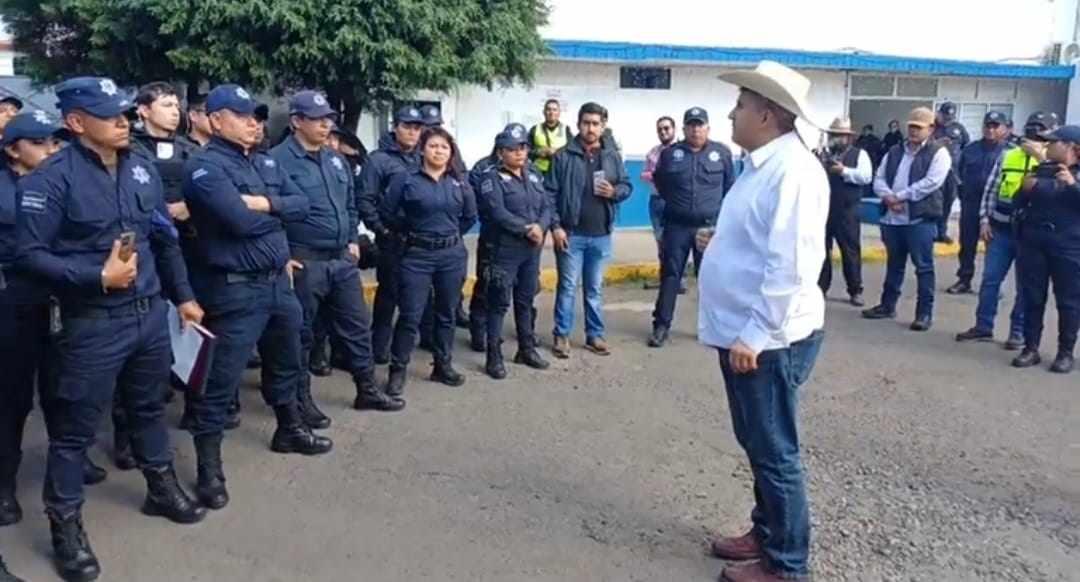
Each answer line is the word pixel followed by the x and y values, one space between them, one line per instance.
pixel 251 276
pixel 140 306
pixel 433 244
pixel 305 254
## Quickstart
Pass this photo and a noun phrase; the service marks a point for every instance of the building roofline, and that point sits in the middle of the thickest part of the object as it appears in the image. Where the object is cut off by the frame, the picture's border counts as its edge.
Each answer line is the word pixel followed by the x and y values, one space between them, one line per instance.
pixel 583 50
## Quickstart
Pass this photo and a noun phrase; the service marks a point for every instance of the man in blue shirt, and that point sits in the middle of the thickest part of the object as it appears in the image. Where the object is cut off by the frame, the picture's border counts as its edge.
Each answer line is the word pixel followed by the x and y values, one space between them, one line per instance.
pixel 240 202
pixel 326 243
pixel 96 229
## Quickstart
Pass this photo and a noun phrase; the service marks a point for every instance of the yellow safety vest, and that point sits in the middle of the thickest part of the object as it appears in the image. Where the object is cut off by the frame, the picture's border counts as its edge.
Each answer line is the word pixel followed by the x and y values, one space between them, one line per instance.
pixel 1015 166
pixel 543 138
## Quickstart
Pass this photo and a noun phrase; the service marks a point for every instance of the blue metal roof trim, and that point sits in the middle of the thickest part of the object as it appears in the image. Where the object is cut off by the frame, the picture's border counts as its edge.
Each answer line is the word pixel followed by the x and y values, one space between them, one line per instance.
pixel 632 52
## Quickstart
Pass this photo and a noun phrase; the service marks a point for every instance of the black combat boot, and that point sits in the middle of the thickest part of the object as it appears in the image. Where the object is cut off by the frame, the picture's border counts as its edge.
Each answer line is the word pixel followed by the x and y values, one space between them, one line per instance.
pixel 165 497
pixel 528 355
pixel 444 373
pixel 74 558
pixel 319 362
pixel 369 397
pixel 494 365
pixel 123 457
pixel 210 485
pixel 10 510
pixel 92 474
pixel 309 411
pixel 292 436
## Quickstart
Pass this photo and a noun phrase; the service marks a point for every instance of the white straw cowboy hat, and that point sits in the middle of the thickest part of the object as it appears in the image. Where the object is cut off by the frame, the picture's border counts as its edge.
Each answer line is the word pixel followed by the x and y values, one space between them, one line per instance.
pixel 779 84
pixel 840 126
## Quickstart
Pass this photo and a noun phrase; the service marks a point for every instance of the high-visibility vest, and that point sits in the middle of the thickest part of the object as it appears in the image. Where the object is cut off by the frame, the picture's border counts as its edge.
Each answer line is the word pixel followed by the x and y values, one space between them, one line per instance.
pixel 1015 166
pixel 544 138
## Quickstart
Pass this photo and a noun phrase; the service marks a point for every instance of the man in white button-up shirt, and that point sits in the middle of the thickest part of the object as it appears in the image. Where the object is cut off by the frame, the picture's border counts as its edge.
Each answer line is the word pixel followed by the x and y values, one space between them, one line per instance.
pixel 761 308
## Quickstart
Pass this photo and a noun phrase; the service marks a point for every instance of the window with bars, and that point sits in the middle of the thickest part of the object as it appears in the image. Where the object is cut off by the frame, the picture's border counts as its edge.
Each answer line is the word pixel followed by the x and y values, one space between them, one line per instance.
pixel 644 78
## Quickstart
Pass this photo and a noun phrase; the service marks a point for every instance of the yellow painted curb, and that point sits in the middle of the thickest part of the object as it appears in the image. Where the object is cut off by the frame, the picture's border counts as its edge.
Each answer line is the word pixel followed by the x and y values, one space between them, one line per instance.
pixel 624 272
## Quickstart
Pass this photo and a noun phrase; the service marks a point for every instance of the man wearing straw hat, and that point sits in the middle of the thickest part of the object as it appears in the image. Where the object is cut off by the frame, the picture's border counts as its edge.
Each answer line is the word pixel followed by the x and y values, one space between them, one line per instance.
pixel 850 170
pixel 762 310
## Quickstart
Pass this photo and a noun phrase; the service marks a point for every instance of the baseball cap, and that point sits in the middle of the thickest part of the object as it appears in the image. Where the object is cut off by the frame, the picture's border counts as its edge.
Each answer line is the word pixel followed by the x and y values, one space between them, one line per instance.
pixel 13 100
pixel 921 117
pixel 1043 119
pixel 408 114
pixel 513 135
pixel 98 96
pixel 997 117
pixel 1068 133
pixel 29 125
pixel 947 108
pixel 432 115
pixel 695 114
pixel 311 104
pixel 232 97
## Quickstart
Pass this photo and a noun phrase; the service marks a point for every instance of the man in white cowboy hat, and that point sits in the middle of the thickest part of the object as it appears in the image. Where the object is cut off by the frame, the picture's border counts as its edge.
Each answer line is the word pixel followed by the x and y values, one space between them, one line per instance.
pixel 761 308
pixel 850 171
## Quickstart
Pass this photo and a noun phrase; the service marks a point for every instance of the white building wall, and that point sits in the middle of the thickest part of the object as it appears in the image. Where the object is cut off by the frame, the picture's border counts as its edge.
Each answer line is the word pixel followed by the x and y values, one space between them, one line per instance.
pixel 475 115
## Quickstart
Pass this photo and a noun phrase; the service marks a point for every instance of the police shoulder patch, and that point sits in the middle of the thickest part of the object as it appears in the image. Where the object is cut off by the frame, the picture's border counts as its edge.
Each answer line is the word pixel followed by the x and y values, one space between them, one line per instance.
pixel 486 187
pixel 678 154
pixel 534 178
pixel 504 177
pixel 269 162
pixel 34 202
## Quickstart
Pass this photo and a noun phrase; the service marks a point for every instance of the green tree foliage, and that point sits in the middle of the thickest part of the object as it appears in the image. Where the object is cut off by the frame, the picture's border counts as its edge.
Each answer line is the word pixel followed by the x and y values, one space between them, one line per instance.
pixel 361 52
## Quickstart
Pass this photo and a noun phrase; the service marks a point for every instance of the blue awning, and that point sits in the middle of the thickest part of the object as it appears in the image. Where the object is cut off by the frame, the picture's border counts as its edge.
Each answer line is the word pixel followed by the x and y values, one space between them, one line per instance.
pixel 638 53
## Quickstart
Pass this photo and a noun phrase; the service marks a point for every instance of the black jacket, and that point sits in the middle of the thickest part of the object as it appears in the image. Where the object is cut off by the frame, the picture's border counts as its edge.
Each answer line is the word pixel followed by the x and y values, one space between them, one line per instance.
pixel 566 183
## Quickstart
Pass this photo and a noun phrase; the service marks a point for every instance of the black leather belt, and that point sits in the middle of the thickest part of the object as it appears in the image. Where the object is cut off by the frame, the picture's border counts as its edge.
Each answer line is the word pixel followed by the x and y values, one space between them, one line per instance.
pixel 433 244
pixel 305 254
pixel 140 306
pixel 251 277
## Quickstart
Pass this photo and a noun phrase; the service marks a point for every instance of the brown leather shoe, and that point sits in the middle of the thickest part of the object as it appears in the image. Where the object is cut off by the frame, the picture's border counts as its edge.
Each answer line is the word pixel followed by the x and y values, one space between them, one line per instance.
pixel 754 572
pixel 598 346
pixel 744 547
pixel 561 347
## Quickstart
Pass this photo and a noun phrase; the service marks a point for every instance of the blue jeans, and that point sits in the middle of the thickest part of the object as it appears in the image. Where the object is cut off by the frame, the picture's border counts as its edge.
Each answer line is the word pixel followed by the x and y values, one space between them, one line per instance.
pixel 583 262
pixel 916 241
pixel 764 409
pixel 1000 253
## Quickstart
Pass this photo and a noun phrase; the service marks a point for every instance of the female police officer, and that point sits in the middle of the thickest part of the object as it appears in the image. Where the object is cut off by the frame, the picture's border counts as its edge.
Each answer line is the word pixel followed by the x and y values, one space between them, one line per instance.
pixel 1049 222
pixel 430 207
pixel 516 214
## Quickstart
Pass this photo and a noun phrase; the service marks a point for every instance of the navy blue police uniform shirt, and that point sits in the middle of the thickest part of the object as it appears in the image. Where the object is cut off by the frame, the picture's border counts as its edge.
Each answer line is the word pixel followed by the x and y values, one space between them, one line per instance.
pixel 325 178
pixel 692 184
pixel 509 203
pixel 415 204
pixel 15 286
pixel 383 165
pixel 233 238
pixel 73 210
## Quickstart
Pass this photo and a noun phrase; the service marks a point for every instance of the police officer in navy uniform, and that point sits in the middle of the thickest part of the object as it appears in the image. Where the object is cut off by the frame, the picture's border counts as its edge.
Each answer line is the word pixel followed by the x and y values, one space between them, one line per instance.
pixel 1048 208
pixel 326 243
pixel 692 177
pixel 429 208
pixel 240 203
pixel 478 304
pixel 28 140
pixel 397 154
pixel 974 166
pixel 96 229
pixel 954 136
pixel 516 214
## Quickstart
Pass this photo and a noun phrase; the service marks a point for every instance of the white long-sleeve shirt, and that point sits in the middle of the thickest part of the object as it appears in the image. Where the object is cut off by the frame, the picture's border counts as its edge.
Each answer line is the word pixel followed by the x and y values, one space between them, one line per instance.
pixel 863 172
pixel 758 280
pixel 934 179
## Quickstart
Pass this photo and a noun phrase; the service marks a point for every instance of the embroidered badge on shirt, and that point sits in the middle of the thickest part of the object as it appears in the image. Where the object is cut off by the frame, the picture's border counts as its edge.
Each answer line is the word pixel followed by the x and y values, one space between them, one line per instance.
pixel 199 173
pixel 34 202
pixel 140 175
pixel 337 163
pixel 486 187
pixel 269 163
pixel 714 156
pixel 534 178
pixel 678 155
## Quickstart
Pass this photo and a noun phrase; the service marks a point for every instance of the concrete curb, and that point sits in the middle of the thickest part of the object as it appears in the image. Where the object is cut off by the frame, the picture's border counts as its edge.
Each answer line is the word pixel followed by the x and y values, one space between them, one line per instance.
pixel 625 272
